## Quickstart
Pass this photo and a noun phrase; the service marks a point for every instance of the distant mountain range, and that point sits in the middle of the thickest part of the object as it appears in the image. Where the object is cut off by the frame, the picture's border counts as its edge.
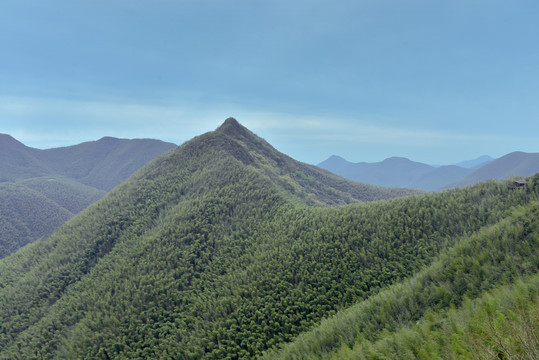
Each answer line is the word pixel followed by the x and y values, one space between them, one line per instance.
pixel 402 172
pixel 226 248
pixel 475 163
pixel 41 189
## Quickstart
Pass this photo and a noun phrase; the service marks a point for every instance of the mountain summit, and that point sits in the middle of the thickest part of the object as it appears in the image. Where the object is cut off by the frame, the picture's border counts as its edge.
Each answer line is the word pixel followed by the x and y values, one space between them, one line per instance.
pixel 224 248
pixel 232 127
pixel 308 183
pixel 217 201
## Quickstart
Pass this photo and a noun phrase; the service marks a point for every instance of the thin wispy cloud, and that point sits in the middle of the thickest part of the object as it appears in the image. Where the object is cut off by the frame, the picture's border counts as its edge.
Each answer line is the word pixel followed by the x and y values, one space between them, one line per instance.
pixel 77 121
pixel 364 80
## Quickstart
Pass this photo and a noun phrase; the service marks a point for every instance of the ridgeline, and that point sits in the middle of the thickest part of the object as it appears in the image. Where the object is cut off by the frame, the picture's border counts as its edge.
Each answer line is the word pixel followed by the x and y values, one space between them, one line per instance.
pixel 225 248
pixel 42 189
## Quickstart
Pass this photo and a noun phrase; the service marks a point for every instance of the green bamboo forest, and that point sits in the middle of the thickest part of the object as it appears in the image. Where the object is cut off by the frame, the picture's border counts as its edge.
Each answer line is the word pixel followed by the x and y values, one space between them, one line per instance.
pixel 225 248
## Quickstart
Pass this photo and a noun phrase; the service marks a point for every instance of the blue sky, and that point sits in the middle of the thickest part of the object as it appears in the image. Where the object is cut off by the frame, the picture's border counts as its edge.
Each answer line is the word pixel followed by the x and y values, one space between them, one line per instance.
pixel 434 81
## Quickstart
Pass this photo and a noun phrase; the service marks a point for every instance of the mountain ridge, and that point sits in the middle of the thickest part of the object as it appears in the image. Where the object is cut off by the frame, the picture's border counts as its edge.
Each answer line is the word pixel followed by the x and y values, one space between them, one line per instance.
pixel 93 163
pixel 284 170
pixel 393 171
pixel 397 171
pixel 214 251
pixel 17 161
pixel 475 163
pixel 69 178
pixel 516 163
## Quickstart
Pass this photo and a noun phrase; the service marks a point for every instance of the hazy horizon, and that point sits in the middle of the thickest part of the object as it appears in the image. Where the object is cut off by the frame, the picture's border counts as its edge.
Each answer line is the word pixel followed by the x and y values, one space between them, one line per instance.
pixel 314 163
pixel 437 83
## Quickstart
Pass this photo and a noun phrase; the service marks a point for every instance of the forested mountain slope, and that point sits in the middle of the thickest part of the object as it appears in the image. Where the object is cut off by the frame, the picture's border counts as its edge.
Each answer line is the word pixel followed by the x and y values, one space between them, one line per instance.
pixel 432 315
pixel 41 189
pixel 33 208
pixel 104 163
pixel 307 183
pixel 215 251
pixel 26 215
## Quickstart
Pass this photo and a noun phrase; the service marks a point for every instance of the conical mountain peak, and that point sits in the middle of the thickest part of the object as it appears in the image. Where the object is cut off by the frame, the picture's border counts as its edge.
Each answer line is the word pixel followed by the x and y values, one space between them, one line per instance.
pixel 233 128
pixel 231 122
pixel 200 220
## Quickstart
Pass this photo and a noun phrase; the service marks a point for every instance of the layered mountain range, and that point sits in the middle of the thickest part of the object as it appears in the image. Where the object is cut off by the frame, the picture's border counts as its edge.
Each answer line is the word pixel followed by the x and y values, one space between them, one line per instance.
pixel 41 189
pixel 225 248
pixel 402 172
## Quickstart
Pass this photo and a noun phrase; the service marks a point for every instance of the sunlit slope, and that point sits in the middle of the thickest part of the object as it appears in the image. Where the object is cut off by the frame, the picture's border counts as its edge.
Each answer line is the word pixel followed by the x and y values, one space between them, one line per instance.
pixel 307 183
pixel 502 323
pixel 213 251
pixel 432 315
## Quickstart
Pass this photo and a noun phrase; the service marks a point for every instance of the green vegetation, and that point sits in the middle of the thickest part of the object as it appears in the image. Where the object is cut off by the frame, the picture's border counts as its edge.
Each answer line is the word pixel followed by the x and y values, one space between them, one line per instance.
pixel 216 251
pixel 496 255
pixel 503 324
pixel 104 163
pixel 41 189
pixel 69 194
pixel 33 208
pixel 26 215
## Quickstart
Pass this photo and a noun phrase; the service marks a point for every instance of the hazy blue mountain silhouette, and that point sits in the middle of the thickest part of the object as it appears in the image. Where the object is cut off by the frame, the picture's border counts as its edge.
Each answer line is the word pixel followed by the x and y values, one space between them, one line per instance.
pixel 402 172
pixel 517 163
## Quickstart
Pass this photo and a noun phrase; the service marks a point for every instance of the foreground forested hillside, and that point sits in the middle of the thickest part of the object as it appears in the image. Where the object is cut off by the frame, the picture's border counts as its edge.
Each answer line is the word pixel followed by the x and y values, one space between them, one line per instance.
pixel 478 300
pixel 41 189
pixel 226 248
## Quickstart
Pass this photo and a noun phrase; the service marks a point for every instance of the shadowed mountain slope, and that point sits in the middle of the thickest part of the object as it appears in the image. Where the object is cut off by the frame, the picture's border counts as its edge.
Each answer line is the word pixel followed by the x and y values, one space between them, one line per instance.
pixel 67 193
pixel 26 215
pixel 214 250
pixel 55 184
pixel 104 163
pixel 18 162
pixel 33 208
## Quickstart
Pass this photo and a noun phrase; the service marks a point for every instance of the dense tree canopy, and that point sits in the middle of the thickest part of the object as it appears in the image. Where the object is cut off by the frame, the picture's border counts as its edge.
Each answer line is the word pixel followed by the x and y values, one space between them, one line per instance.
pixel 216 251
pixel 42 189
